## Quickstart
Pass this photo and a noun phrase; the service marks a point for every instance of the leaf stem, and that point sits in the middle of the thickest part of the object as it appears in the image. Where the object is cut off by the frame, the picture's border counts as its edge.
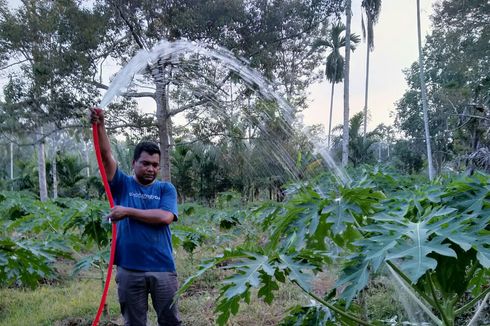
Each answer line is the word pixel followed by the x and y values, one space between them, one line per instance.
pixel 472 302
pixel 332 307
pixel 436 301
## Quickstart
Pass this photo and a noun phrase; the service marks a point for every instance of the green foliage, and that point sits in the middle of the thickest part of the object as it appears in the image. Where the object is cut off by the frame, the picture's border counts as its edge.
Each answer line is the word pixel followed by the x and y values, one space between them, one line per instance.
pixel 53 43
pixel 35 234
pixel 434 236
pixel 72 182
pixel 25 262
pixel 308 316
pixel 30 240
pixel 89 218
pixel 189 238
pixel 456 61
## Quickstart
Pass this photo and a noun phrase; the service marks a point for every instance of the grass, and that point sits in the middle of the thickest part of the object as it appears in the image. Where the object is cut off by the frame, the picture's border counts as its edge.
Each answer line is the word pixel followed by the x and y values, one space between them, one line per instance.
pixel 74 301
pixel 48 304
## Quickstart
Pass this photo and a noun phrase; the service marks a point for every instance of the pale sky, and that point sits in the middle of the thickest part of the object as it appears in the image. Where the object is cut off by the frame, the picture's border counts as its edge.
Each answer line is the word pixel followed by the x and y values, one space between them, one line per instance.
pixel 395 48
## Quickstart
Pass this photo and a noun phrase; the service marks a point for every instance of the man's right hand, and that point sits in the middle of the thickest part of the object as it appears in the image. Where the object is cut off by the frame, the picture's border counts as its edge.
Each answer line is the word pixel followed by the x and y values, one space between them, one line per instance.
pixel 96 116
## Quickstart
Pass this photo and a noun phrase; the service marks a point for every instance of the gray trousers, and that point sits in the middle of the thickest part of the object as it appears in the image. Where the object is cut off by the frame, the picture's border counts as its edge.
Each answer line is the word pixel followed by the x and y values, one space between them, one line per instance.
pixel 133 288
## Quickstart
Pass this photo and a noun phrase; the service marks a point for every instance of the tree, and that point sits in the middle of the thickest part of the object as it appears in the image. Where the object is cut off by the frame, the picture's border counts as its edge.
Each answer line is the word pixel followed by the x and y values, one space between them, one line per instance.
pixel 360 148
pixel 45 46
pixel 456 62
pixel 334 66
pixel 271 34
pixel 423 90
pixel 361 145
pixel 345 132
pixel 372 9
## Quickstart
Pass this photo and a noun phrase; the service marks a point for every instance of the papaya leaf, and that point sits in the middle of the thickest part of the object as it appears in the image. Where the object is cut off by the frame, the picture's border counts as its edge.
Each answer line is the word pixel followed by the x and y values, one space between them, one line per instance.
pixel 339 214
pixel 483 254
pixel 479 281
pixel 310 315
pixel 208 264
pixel 298 272
pixel 248 275
pixel 414 251
pixel 356 276
pixel 268 288
pixel 225 308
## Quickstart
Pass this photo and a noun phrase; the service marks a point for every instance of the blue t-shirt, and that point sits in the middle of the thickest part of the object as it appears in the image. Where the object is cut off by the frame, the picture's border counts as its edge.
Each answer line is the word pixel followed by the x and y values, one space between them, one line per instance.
pixel 142 246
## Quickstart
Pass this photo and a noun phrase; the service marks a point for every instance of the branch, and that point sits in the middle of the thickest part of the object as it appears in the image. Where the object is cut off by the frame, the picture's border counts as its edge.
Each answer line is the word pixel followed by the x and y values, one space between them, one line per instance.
pixel 332 307
pixel 13 64
pixel 44 135
pixel 473 301
pixel 97 84
pixel 128 94
pixel 131 28
pixel 202 101
pixel 141 94
pixel 111 48
pixel 186 107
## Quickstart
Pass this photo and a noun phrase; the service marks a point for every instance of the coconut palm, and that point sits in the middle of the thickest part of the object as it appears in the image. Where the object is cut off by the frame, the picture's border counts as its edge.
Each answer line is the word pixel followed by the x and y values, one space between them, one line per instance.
pixel 371 10
pixel 334 66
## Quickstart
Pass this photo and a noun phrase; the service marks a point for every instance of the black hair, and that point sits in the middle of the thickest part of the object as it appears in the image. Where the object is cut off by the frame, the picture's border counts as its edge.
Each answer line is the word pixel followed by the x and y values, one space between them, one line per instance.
pixel 146 146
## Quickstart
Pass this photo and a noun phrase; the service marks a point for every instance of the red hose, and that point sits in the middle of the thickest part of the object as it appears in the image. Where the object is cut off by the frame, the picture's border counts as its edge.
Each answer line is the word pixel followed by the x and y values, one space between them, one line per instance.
pixel 114 229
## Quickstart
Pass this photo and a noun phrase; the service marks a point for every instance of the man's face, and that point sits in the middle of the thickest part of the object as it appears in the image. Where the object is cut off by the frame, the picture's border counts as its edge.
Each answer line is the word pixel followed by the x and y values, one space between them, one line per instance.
pixel 146 168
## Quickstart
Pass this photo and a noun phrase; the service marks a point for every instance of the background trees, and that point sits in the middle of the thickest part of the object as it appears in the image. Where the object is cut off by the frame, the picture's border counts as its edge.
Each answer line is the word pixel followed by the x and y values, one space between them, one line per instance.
pixel 456 65
pixel 46 49
pixel 54 73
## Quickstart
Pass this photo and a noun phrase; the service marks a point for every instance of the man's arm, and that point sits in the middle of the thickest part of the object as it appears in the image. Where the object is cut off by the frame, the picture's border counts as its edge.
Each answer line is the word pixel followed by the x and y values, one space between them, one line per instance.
pixel 150 216
pixel 110 165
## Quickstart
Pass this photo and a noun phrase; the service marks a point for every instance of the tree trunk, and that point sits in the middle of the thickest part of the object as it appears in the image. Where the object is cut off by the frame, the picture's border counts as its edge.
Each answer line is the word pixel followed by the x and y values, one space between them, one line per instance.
pixel 170 125
pixel 423 91
pixel 366 93
pixel 12 165
pixel 163 133
pixel 379 152
pixel 41 164
pixel 330 116
pixel 345 133
pixel 87 157
pixel 54 170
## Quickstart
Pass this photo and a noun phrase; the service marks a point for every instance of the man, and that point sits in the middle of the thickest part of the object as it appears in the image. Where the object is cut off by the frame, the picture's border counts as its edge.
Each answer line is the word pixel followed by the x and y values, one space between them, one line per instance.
pixel 144 208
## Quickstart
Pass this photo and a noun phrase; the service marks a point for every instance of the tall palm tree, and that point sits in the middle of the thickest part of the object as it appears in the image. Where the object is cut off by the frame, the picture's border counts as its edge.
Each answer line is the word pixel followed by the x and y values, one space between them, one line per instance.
pixel 371 9
pixel 345 133
pixel 334 65
pixel 423 92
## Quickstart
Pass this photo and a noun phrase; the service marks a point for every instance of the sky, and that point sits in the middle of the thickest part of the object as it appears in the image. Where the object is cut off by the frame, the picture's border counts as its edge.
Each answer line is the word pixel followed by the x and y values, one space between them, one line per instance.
pixel 395 49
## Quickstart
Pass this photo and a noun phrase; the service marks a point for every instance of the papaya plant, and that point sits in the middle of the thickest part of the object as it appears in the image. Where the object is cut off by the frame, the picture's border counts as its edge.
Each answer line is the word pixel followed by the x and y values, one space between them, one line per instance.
pixel 433 237
pixel 30 239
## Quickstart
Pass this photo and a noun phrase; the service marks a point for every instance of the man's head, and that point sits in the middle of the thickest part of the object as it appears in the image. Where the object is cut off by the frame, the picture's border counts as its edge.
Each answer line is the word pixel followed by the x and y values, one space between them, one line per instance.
pixel 146 162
